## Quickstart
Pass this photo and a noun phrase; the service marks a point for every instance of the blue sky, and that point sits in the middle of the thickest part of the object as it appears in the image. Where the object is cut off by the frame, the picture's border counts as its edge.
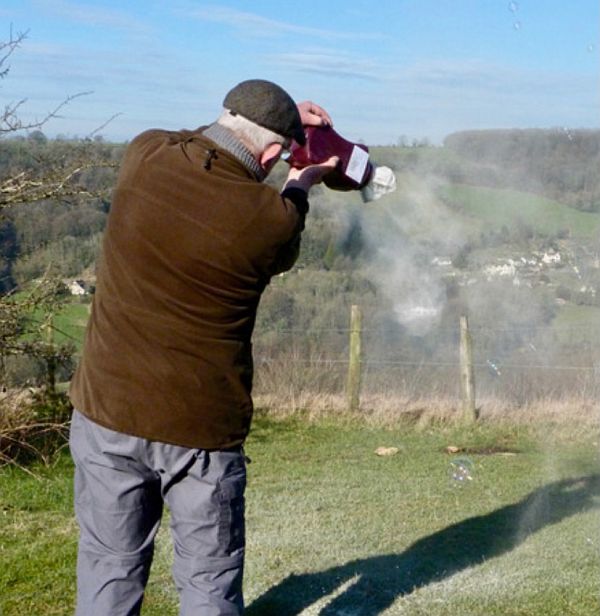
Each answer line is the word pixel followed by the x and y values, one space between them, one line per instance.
pixel 383 69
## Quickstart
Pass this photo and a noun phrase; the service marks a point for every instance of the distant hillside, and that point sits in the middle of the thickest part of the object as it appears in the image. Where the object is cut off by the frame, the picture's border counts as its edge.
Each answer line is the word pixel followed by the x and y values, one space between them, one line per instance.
pixel 561 164
pixel 63 233
pixel 493 224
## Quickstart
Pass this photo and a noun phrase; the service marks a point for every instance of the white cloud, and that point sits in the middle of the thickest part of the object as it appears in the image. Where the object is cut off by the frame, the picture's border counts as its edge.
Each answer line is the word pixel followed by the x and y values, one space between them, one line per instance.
pixel 444 96
pixel 434 98
pixel 91 15
pixel 492 78
pixel 328 62
pixel 256 25
pixel 427 98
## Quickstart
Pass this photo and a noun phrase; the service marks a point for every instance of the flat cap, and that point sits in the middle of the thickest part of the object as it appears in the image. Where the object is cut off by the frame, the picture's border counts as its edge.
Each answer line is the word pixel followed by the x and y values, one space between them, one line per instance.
pixel 268 105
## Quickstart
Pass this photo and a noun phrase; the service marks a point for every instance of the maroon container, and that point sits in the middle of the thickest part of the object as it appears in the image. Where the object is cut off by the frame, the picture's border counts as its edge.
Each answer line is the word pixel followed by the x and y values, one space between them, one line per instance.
pixel 354 169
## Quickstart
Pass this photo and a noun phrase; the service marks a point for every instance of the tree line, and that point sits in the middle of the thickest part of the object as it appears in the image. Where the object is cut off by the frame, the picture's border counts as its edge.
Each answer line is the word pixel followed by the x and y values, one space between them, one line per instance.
pixel 61 231
pixel 561 163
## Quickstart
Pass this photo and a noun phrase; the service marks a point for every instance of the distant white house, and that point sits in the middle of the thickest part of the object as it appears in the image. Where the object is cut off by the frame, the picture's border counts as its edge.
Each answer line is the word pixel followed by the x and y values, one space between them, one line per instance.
pixel 504 269
pixel 77 287
pixel 551 257
pixel 441 261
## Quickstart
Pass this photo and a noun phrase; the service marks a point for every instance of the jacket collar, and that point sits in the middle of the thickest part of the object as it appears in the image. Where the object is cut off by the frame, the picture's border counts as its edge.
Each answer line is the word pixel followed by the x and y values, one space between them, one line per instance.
pixel 225 138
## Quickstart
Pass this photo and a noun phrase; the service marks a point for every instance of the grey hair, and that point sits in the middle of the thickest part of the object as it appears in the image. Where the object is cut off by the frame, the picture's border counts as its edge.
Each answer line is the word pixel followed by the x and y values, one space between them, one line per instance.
pixel 254 137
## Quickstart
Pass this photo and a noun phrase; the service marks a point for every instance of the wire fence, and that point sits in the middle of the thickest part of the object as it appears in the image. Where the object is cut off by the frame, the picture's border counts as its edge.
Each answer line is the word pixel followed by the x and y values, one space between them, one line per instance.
pixel 517 364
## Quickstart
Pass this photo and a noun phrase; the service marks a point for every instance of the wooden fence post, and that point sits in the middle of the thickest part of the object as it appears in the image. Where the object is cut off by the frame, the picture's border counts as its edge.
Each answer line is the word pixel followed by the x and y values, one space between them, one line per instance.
pixel 467 373
pixel 51 362
pixel 354 364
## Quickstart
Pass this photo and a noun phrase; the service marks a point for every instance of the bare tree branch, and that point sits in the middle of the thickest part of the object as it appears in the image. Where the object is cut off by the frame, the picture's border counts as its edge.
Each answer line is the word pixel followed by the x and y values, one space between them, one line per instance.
pixel 7 48
pixel 11 123
pixel 53 170
pixel 25 187
pixel 55 178
pixel 104 125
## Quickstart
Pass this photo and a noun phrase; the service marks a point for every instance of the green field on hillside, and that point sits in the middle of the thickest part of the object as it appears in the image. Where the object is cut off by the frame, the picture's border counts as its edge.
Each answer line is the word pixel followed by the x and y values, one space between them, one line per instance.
pixel 68 323
pixel 492 208
pixel 334 529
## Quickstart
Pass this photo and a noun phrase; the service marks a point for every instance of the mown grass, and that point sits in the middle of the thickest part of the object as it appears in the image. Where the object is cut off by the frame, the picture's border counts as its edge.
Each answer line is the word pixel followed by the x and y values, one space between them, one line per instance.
pixel 334 529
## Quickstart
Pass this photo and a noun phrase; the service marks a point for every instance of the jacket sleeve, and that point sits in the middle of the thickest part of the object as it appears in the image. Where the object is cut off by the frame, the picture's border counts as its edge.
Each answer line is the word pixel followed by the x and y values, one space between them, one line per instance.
pixel 288 253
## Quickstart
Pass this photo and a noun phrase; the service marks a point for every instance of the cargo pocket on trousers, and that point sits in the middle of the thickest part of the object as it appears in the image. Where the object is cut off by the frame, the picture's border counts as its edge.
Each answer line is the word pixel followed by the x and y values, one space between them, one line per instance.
pixel 232 533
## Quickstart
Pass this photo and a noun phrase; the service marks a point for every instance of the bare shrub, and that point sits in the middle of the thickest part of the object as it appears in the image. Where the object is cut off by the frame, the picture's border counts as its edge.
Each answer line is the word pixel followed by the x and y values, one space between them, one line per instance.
pixel 293 381
pixel 421 396
pixel 33 422
pixel 33 426
pixel 411 380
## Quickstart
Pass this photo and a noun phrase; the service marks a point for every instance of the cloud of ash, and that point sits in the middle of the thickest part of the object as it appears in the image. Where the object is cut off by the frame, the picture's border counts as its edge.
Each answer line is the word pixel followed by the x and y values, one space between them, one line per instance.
pixel 405 235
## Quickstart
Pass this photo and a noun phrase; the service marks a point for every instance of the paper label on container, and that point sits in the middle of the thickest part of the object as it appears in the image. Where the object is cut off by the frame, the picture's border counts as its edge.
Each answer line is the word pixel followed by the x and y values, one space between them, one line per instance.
pixel 357 164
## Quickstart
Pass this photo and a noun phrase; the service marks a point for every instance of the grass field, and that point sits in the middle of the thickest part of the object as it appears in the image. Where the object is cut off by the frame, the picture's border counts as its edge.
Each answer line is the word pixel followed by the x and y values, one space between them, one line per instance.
pixel 492 208
pixel 334 529
pixel 69 323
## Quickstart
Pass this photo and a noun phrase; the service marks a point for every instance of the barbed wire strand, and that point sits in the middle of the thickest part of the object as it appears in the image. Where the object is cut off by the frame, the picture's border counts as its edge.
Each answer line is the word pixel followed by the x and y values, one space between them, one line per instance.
pixel 368 362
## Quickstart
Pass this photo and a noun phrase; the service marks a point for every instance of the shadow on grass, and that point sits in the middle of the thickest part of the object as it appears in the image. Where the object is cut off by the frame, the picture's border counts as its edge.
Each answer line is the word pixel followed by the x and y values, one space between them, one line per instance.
pixel 375 583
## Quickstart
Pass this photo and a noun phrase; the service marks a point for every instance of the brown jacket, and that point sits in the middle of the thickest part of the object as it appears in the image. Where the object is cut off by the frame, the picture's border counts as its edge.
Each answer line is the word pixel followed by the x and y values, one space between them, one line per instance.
pixel 191 242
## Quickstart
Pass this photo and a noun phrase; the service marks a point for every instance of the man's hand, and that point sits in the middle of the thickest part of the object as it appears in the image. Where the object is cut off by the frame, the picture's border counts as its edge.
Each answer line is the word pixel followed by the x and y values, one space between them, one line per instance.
pixel 311 175
pixel 313 115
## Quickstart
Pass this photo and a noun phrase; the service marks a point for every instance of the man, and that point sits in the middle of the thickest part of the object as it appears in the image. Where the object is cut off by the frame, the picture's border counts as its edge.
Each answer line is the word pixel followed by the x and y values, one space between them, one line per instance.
pixel 162 392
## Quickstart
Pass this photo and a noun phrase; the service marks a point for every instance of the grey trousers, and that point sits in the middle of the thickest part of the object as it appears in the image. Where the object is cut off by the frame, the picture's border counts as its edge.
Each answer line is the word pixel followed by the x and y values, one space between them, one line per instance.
pixel 121 483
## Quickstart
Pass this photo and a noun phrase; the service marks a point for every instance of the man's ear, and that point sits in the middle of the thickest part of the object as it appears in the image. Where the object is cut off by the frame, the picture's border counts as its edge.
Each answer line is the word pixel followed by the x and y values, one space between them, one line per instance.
pixel 270 156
